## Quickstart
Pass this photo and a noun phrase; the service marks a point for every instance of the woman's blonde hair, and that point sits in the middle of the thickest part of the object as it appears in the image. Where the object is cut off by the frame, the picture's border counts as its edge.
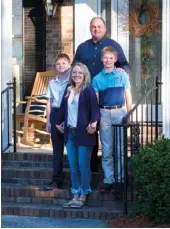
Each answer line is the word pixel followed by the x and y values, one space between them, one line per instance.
pixel 86 74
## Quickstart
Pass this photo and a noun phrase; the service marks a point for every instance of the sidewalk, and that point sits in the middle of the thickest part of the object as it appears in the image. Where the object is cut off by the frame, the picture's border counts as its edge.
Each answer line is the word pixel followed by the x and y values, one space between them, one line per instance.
pixel 37 222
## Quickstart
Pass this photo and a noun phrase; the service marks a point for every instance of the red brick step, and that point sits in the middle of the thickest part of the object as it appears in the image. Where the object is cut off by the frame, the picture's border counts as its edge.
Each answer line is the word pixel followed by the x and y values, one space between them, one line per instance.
pixel 32 194
pixel 38 176
pixel 57 211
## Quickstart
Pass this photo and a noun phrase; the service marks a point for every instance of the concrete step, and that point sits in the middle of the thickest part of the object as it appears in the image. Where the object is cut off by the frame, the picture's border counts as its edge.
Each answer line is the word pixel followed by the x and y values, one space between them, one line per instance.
pixel 31 194
pixel 57 211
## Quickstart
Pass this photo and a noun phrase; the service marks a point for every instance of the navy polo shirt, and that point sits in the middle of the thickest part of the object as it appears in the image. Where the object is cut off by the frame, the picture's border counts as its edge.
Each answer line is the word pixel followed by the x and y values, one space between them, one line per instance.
pixel 111 87
pixel 89 53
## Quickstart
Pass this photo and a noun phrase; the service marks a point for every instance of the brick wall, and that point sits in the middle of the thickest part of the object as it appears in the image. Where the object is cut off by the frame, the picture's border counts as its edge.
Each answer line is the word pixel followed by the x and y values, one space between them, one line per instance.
pixel 59 34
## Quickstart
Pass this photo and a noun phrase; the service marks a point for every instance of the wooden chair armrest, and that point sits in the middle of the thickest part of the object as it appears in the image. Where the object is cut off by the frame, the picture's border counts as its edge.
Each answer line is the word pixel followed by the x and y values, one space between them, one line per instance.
pixel 21 102
pixel 29 97
pixel 36 100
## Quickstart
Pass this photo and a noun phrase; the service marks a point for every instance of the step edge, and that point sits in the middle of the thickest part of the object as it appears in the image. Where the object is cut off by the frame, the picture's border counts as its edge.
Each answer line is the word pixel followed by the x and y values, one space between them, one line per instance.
pixel 56 207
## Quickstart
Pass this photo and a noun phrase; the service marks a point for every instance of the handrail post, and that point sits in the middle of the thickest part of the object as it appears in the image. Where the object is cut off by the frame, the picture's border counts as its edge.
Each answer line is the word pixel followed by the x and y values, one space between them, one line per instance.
pixel 14 116
pixel 156 106
pixel 156 109
pixel 125 168
pixel 8 114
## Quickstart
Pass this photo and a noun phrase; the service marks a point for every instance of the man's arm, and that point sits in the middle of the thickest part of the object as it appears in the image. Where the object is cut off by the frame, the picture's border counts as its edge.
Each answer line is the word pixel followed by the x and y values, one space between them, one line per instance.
pixel 128 98
pixel 97 95
pixel 77 57
pixel 94 110
pixel 122 61
pixel 95 87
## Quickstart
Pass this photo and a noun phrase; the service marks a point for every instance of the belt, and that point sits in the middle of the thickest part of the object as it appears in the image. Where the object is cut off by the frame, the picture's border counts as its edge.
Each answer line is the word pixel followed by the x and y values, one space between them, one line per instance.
pixel 71 127
pixel 112 107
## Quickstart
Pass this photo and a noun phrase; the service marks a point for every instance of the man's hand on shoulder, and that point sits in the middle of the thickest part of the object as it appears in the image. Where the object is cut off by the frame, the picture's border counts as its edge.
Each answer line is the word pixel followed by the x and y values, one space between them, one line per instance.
pixel 120 70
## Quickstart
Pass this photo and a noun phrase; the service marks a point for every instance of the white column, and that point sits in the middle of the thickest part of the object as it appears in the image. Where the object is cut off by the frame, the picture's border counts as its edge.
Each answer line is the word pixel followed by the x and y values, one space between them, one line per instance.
pixel 166 67
pixel 137 61
pixel 6 42
pixel 85 10
pixel 6 68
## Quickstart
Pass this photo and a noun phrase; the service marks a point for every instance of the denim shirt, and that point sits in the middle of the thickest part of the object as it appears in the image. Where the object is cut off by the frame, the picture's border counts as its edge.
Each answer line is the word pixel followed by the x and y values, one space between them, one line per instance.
pixel 88 112
pixel 89 53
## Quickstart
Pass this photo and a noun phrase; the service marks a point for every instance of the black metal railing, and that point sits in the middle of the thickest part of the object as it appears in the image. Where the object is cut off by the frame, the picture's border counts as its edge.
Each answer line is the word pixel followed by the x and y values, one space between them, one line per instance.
pixel 146 114
pixel 8 96
pixel 5 120
pixel 140 126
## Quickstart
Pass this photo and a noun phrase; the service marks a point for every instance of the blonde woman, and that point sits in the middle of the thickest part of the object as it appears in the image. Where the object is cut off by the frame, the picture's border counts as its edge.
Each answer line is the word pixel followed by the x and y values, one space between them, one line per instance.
pixel 80 113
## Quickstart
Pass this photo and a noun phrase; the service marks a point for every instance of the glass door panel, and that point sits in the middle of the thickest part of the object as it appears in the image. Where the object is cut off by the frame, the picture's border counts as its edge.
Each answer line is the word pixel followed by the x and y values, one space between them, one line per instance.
pixel 144 52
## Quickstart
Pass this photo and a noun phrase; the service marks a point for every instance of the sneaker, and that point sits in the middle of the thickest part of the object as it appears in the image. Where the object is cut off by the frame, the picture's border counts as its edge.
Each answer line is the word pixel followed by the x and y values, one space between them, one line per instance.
pixel 50 186
pixel 105 188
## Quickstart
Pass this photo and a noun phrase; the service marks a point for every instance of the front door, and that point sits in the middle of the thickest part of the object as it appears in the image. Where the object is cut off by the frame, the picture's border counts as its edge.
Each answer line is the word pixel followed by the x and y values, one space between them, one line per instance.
pixel 34 41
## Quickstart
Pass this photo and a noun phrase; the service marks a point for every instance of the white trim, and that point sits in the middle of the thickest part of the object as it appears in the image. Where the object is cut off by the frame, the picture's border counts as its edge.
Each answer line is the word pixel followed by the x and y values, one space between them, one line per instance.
pixel 166 67
pixel 99 8
pixel 114 20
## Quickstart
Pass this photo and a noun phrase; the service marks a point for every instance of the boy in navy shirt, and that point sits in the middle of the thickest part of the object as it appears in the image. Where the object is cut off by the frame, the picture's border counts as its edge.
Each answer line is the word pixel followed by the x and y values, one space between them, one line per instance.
pixel 112 88
pixel 55 92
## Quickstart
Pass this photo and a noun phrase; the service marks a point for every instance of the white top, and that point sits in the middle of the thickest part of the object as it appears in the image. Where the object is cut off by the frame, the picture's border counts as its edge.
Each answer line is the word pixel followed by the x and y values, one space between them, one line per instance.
pixel 73 102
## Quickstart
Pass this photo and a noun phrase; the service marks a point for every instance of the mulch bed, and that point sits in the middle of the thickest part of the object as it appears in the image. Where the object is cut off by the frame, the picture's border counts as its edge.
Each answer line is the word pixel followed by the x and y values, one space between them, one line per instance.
pixel 134 222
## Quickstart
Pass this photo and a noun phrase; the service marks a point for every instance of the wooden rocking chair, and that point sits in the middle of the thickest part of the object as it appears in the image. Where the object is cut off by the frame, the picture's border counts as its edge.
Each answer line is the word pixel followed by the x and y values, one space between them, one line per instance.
pixel 33 121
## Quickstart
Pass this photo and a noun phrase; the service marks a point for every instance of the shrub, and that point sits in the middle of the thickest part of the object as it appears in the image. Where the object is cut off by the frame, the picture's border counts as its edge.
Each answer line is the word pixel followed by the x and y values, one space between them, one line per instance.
pixel 151 171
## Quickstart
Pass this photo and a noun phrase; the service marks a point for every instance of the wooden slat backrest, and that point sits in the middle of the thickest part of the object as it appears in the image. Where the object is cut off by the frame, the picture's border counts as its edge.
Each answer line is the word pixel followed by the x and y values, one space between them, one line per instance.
pixel 39 88
pixel 41 82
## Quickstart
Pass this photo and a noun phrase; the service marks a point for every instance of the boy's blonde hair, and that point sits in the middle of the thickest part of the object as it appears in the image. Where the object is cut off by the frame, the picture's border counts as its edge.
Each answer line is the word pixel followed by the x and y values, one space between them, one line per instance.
pixel 62 56
pixel 109 49
pixel 85 73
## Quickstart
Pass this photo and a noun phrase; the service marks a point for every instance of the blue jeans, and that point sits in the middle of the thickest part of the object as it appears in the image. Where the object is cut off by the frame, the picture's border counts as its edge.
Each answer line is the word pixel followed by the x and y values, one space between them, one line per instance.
pixel 112 162
pixel 79 162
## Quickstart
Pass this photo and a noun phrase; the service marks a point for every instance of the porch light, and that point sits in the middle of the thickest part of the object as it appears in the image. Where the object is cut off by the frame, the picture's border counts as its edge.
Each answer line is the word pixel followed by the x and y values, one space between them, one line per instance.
pixel 51 7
